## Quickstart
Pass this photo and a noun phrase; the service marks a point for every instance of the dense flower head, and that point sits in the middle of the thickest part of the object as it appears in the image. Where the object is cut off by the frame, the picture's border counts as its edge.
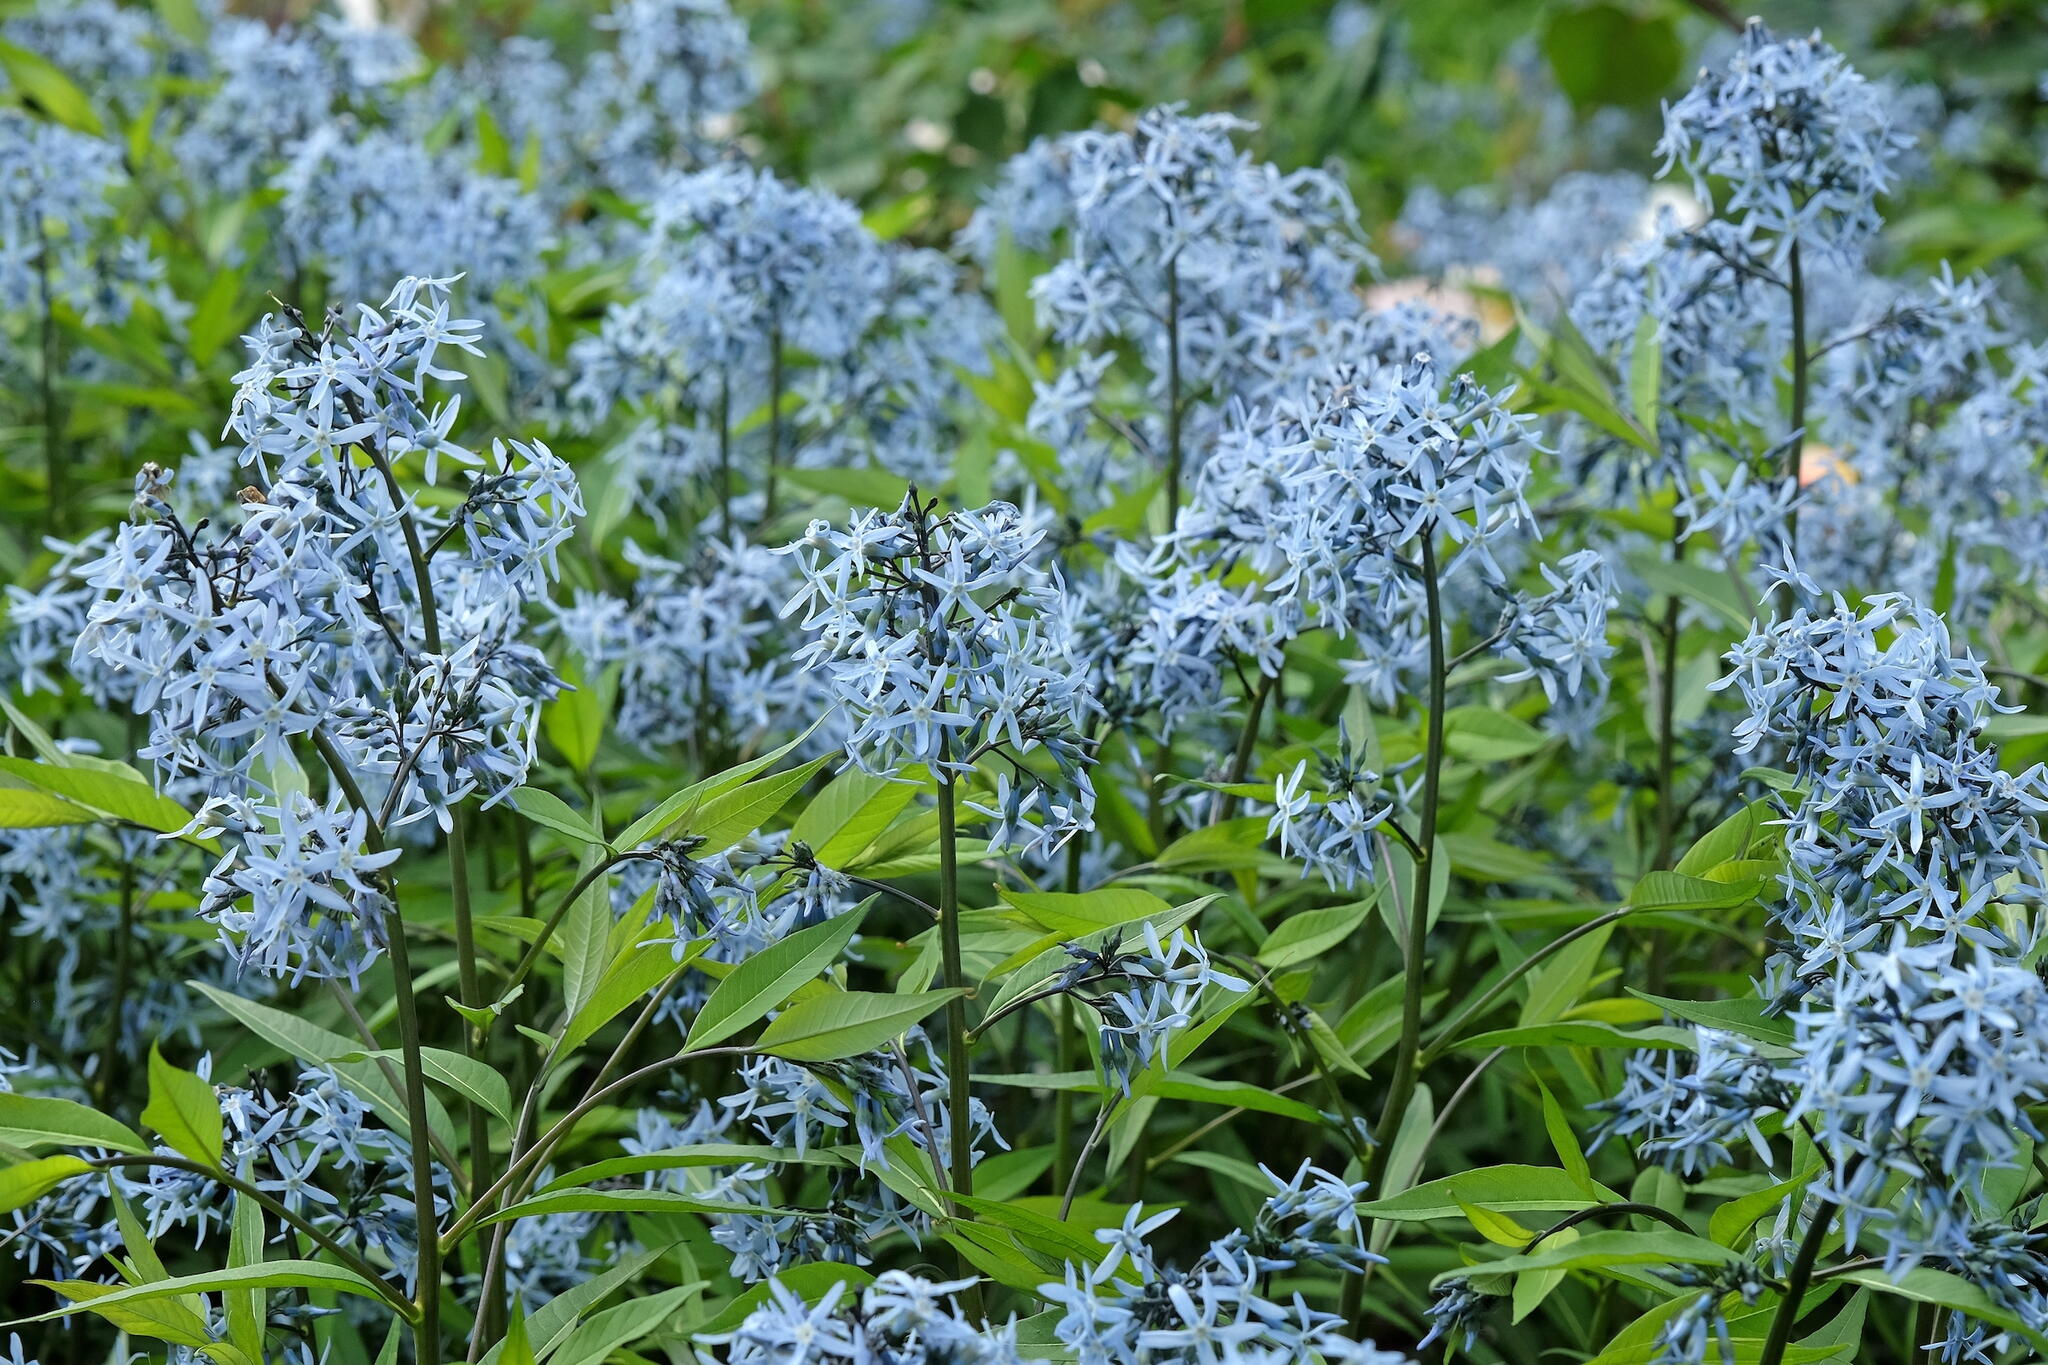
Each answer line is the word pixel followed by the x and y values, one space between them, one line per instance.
pixel 900 1317
pixel 940 636
pixel 365 209
pixel 1226 275
pixel 1907 816
pixel 751 290
pixel 330 611
pixel 1905 919
pixel 1143 995
pixel 54 212
pixel 1132 1308
pixel 1803 144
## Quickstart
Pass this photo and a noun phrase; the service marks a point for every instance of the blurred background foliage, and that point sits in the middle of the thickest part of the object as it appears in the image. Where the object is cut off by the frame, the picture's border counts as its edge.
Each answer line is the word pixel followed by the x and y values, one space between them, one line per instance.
pixel 911 106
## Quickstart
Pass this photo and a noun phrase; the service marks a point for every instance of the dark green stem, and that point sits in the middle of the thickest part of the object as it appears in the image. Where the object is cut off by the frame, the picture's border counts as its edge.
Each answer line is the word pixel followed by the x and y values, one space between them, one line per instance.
pixel 1796 1281
pixel 1401 1089
pixel 1796 437
pixel 725 453
pixel 1173 385
pixel 1247 744
pixel 491 1309
pixel 960 1178
pixel 56 510
pixel 775 381
pixel 1067 1046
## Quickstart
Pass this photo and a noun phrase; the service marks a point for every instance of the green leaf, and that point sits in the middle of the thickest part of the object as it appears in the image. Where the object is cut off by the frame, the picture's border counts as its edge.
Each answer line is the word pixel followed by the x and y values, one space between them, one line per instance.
pixel 1482 734
pixel 1728 841
pixel 28 808
pixel 216 316
pixel 615 1327
pixel 110 795
pixel 620 1201
pixel 1223 847
pixel 583 939
pixel 27 1181
pixel 1182 1085
pixel 1645 371
pixel 1604 54
pixel 665 814
pixel 551 811
pixel 184 18
pixel 184 1110
pixel 1563 1140
pixel 838 1024
pixel 771 976
pixel 1306 936
pixel 517 1347
pixel 44 87
pixel 724 820
pixel 33 1121
pixel 1925 1284
pixel 163 1320
pixel 1505 1189
pixel 1613 1247
pixel 1674 891
pixel 245 1308
pixel 311 1043
pixel 698 1154
pixel 268 1275
pixel 1497 1228
pixel 574 721
pixel 1745 1016
pixel 841 821
pixel 552 1322
pixel 1736 1217
pixel 1693 582
pixel 859 487
pixel 628 979
pixel 1558 983
pixel 1578 1033
pixel 475 1081
pixel 1087 912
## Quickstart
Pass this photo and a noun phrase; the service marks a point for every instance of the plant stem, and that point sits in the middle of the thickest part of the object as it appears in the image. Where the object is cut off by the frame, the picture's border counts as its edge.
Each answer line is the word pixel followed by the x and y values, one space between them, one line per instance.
pixel 1796 438
pixel 725 453
pixel 774 419
pixel 124 931
pixel 491 1308
pixel 1796 1281
pixel 1401 1089
pixel 427 1330
pixel 57 505
pixel 1667 702
pixel 1247 743
pixel 960 1176
pixel 1173 404
pixel 1066 1044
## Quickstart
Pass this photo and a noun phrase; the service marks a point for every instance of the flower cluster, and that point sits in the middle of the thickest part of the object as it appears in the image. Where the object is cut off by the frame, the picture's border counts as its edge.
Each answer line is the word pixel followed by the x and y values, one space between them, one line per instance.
pixel 1226 276
pixel 1802 142
pixel 1142 998
pixel 1906 918
pixel 899 1317
pixel 1130 1307
pixel 940 636
pixel 330 613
